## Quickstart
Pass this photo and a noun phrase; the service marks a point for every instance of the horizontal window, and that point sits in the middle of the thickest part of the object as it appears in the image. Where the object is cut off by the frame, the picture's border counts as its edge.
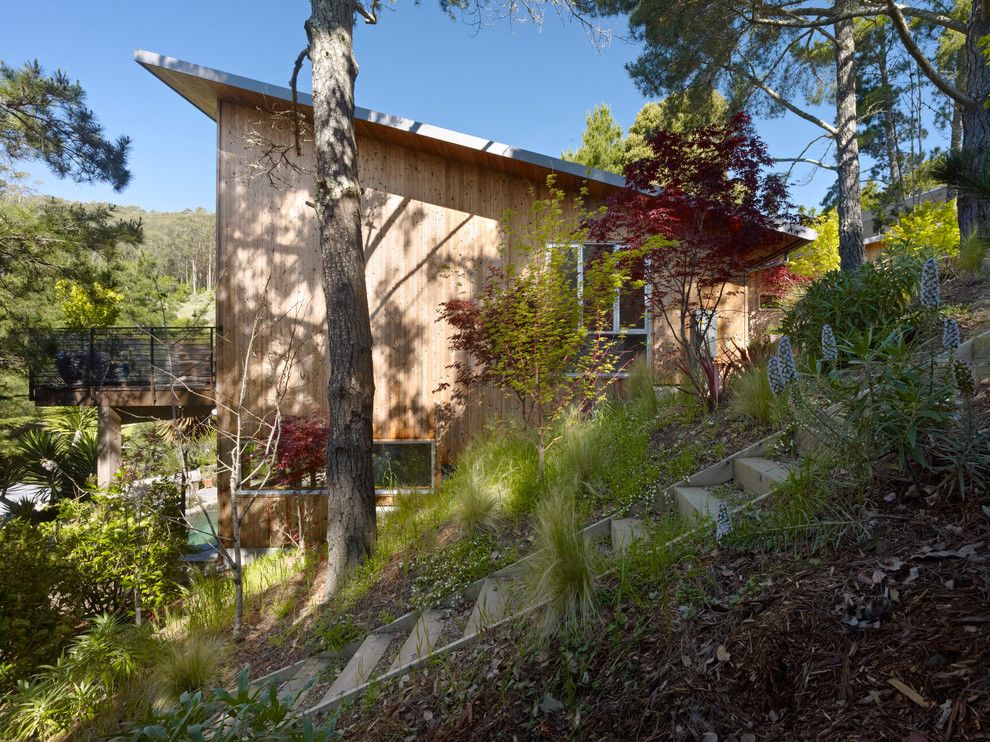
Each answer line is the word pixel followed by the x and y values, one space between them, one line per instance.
pixel 399 466
pixel 403 465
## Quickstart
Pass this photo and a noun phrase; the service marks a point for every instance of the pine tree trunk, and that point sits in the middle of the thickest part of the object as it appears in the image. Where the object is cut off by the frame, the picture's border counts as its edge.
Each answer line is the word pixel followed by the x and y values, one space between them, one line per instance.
pixel 851 250
pixel 974 212
pixel 890 125
pixel 350 479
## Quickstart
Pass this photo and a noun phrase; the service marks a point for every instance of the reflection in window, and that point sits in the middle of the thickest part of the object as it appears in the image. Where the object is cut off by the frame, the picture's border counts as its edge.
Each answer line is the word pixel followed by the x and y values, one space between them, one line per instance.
pixel 629 324
pixel 403 466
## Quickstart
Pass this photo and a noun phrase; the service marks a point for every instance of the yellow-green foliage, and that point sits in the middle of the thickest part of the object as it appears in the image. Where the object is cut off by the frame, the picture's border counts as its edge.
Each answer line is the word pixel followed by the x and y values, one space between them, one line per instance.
pixel 822 255
pixel 929 230
pixel 90 306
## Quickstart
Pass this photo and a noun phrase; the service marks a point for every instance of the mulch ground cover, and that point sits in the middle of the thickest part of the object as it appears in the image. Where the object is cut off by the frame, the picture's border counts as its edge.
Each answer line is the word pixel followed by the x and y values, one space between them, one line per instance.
pixel 883 635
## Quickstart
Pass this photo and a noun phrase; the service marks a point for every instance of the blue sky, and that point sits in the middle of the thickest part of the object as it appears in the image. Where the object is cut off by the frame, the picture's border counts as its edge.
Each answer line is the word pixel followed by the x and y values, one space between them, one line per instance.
pixel 519 85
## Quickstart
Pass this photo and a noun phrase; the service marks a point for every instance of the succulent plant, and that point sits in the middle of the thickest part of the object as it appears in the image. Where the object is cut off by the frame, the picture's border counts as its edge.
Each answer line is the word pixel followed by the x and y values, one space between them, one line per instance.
pixel 931 293
pixel 830 350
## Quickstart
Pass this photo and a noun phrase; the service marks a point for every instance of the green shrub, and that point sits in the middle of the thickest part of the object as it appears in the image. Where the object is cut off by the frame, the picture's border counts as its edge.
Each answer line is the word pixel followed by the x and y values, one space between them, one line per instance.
pixel 565 568
pixel 751 397
pixel 116 544
pixel 219 716
pixel 929 230
pixel 39 608
pixel 875 299
pixel 81 695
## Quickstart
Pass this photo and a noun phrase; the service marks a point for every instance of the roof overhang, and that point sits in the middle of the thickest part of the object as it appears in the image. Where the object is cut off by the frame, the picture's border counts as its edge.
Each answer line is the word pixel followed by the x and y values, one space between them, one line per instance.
pixel 206 87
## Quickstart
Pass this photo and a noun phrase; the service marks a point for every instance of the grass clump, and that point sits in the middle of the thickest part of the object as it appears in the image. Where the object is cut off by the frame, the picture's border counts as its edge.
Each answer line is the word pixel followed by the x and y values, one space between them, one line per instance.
pixel 190 665
pixel 565 567
pixel 809 511
pixel 91 687
pixel 972 252
pixel 478 496
pixel 640 387
pixel 751 397
pixel 339 632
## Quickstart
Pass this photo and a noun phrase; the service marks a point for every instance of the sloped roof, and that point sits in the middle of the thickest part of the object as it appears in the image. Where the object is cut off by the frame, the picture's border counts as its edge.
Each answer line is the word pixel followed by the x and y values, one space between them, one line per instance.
pixel 204 87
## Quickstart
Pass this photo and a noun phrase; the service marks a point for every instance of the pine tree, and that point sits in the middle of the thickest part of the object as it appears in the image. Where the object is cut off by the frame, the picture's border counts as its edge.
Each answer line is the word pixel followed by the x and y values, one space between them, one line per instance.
pixel 601 142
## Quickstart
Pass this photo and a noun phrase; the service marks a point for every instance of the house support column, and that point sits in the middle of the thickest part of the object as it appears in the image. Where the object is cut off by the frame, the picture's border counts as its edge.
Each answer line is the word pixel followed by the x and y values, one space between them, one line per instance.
pixel 108 446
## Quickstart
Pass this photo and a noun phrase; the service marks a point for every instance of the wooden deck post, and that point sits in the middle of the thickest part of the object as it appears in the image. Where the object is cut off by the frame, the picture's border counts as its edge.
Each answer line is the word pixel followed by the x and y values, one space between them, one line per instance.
pixel 109 456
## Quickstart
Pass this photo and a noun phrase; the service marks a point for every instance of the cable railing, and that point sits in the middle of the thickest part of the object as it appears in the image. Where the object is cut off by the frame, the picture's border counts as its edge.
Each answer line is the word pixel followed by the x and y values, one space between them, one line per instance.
pixel 136 358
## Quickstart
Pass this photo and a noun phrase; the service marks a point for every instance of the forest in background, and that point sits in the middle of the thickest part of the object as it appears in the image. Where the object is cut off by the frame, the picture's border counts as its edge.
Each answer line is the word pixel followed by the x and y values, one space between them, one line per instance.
pixel 164 276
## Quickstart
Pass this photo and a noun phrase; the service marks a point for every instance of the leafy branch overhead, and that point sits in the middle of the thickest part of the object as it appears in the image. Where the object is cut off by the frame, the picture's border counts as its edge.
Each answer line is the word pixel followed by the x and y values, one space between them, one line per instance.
pixel 44 117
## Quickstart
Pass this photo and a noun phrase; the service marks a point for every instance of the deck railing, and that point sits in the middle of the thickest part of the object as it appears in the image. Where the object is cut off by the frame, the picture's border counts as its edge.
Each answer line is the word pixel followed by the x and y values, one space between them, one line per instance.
pixel 136 358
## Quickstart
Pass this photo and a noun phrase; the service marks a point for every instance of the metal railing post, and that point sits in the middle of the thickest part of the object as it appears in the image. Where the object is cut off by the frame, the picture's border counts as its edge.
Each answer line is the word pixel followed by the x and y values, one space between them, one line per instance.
pixel 90 375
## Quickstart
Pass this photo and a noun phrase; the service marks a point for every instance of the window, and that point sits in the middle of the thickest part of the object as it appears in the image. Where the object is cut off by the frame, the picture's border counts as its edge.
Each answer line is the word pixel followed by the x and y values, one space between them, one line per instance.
pixel 403 466
pixel 704 331
pixel 630 321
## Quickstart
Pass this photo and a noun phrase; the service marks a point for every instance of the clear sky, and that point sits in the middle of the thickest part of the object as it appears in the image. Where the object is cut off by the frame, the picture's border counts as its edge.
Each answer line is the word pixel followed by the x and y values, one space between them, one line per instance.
pixel 518 85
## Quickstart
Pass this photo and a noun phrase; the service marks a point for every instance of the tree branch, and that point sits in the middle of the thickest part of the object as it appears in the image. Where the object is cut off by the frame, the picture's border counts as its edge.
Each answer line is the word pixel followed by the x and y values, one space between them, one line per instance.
pixel 369 15
pixel 781 100
pixel 900 25
pixel 293 82
pixel 807 160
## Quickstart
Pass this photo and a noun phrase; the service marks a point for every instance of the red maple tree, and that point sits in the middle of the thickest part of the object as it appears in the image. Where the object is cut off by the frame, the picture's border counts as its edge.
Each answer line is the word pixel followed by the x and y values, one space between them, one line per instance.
pixel 302 449
pixel 697 212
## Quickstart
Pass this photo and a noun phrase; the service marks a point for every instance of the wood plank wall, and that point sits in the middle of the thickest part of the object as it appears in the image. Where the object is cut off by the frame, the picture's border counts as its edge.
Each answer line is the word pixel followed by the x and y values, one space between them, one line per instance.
pixel 431 228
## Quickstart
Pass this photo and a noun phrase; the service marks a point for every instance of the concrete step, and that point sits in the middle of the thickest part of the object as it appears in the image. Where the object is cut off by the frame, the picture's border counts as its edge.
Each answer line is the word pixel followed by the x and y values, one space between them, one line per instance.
pixel 758 475
pixel 358 670
pixel 488 609
pixel 422 639
pixel 624 531
pixel 695 502
pixel 310 669
pixel 981 370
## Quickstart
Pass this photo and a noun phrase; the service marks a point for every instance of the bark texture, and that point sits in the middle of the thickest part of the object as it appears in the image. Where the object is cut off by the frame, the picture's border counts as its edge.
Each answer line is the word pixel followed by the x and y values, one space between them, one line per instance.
pixel 974 212
pixel 851 250
pixel 350 479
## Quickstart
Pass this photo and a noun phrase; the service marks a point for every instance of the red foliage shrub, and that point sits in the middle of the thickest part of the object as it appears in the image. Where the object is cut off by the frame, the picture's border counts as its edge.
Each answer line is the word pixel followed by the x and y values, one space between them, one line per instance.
pixel 302 449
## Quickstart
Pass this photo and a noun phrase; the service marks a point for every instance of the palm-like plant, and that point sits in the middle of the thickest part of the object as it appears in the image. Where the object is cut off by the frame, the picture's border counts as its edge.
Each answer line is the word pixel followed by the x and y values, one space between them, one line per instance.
pixel 967 170
pixel 61 462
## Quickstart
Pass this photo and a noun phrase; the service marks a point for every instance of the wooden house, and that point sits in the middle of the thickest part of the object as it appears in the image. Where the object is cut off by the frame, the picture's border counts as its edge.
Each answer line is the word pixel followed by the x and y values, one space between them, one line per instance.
pixel 433 203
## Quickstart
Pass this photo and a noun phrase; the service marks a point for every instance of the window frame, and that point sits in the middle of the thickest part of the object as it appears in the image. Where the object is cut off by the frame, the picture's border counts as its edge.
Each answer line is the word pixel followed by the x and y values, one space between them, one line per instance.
pixel 433 466
pixel 646 330
pixel 379 491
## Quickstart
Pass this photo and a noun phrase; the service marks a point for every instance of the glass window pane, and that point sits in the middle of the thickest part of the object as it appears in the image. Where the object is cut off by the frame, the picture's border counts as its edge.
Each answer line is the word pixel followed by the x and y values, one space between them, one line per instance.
pixel 632 308
pixel 399 465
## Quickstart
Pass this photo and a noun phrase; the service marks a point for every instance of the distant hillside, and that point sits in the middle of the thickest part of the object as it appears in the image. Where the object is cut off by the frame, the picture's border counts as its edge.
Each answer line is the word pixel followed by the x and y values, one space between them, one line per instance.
pixel 182 244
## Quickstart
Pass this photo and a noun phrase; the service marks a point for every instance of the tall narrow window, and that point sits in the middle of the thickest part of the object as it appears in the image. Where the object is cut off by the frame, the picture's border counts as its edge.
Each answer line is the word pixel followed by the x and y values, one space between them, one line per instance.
pixel 629 323
pixel 704 331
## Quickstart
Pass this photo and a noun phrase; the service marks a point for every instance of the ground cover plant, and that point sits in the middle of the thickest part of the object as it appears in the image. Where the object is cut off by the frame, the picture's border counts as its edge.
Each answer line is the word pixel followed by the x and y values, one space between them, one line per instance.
pixel 844 602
